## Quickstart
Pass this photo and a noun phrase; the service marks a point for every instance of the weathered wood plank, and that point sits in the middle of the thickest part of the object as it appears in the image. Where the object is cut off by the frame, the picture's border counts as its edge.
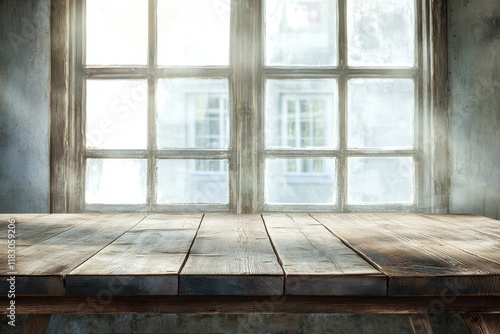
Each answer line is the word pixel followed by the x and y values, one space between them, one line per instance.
pixel 316 262
pixel 19 218
pixel 246 304
pixel 420 323
pixel 462 237
pixel 5 221
pixel 231 255
pixel 145 260
pixel 438 175
pixel 444 285
pixel 41 267
pixel 61 111
pixel 479 224
pixel 482 323
pixel 32 230
pixel 37 323
pixel 246 86
pixel 415 264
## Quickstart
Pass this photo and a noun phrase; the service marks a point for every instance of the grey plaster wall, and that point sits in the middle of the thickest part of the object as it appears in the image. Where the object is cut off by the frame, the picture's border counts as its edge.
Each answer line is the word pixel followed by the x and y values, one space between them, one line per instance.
pixel 24 105
pixel 474 59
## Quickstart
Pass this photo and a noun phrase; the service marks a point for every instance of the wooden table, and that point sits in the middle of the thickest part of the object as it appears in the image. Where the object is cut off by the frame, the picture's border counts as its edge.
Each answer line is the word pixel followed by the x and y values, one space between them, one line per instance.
pixel 269 263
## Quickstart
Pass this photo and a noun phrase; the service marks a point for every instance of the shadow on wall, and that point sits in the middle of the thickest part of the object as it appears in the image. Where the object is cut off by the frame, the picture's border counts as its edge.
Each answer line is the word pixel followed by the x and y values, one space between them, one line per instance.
pixel 474 64
pixel 24 105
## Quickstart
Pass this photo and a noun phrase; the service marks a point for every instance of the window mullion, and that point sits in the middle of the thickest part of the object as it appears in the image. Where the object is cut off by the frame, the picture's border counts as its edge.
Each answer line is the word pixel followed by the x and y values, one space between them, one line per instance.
pixel 151 178
pixel 246 54
pixel 77 182
pixel 342 126
pixel 152 34
pixel 152 62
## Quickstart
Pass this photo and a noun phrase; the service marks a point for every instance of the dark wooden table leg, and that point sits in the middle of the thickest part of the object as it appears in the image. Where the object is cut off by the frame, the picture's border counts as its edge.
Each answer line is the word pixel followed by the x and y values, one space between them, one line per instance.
pixel 37 323
pixel 420 323
pixel 482 323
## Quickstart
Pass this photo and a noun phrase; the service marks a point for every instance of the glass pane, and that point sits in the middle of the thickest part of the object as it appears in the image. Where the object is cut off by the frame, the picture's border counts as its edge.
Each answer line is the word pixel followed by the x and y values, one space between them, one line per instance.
pixel 381 113
pixel 115 181
pixel 117 32
pixel 301 32
pixel 301 181
pixel 192 113
pixel 192 181
pixel 381 32
pixel 116 114
pixel 301 113
pixel 193 32
pixel 380 180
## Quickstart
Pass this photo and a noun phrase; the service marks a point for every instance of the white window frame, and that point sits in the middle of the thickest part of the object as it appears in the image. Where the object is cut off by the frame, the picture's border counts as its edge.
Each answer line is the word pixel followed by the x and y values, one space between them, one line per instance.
pixel 247 75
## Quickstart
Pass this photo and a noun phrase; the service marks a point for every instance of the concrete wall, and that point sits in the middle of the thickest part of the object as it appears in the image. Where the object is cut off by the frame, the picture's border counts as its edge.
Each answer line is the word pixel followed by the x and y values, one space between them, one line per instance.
pixel 474 58
pixel 24 160
pixel 24 105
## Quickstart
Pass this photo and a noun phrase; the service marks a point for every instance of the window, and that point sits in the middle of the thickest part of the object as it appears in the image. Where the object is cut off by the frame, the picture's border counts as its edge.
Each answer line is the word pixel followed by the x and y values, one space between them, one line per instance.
pixel 211 124
pixel 342 129
pixel 156 134
pixel 305 122
pixel 247 106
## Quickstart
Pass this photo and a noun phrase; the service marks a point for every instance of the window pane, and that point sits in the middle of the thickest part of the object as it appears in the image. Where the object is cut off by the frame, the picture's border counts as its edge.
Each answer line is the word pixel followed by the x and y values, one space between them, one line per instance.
pixel 116 114
pixel 301 32
pixel 116 181
pixel 193 32
pixel 117 32
pixel 192 113
pixel 381 113
pixel 381 32
pixel 301 181
pixel 380 180
pixel 192 181
pixel 301 113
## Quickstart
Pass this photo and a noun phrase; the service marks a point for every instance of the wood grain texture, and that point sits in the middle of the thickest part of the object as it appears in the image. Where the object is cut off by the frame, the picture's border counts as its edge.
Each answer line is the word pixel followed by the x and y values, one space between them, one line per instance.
pixel 480 224
pixel 19 218
pixel 460 234
pixel 482 323
pixel 18 224
pixel 246 304
pixel 36 229
pixel 316 262
pixel 60 108
pixel 29 232
pixel 145 260
pixel 437 151
pixel 414 263
pixel 37 323
pixel 420 323
pixel 246 87
pixel 41 267
pixel 231 255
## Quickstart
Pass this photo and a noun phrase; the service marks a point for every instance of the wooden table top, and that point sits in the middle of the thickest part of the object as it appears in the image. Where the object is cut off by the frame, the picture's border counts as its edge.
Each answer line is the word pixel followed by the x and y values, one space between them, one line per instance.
pixel 254 255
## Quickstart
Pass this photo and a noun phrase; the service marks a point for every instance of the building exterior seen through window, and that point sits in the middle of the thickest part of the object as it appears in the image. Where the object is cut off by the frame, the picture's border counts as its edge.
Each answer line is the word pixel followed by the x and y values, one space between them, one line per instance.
pixel 339 103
